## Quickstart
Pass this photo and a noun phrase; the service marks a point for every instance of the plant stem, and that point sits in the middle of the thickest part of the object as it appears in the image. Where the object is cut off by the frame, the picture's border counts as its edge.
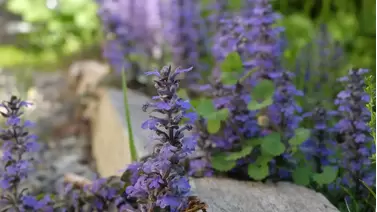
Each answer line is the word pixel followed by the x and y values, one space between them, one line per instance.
pixel 128 117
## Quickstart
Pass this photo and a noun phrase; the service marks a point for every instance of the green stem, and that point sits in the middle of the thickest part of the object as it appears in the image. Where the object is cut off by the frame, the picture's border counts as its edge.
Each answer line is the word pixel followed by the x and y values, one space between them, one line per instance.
pixel 128 117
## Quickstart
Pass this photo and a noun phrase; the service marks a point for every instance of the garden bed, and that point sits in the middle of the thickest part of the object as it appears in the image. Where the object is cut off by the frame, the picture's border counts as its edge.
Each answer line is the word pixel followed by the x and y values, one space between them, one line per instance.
pixel 112 154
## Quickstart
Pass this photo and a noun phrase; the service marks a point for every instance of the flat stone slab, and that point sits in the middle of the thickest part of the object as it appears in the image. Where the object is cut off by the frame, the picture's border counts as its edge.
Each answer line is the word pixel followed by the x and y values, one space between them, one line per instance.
pixel 227 195
pixel 221 194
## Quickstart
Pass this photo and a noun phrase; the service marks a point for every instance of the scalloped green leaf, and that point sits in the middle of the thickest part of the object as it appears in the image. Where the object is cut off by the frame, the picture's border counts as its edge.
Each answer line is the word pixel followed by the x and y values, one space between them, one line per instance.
pixel 240 154
pixel 213 125
pixel 327 176
pixel 264 159
pixel 258 172
pixel 263 90
pixel 235 5
pixel 222 114
pixel 254 105
pixel 228 78
pixel 301 175
pixel 206 107
pixel 272 144
pixel 220 164
pixel 232 63
pixel 301 135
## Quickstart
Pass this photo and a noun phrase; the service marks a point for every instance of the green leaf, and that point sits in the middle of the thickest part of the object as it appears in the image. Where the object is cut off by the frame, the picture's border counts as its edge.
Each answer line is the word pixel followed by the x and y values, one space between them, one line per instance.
pixel 205 107
pixel 235 5
pixel 263 159
pixel 213 125
pixel 232 63
pixel 263 90
pixel 241 154
pixel 219 162
pixel 272 144
pixel 257 172
pixel 229 78
pixel 328 175
pixel 301 135
pixel 254 105
pixel 222 114
pixel 301 175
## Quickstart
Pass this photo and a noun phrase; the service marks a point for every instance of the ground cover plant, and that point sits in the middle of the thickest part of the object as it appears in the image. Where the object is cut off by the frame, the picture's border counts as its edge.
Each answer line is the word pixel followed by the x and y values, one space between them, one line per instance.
pixel 254 115
pixel 303 120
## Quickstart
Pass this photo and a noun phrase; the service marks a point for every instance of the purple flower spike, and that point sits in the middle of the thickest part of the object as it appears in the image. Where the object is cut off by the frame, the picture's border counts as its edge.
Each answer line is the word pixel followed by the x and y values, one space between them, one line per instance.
pixel 320 147
pixel 16 165
pixel 356 141
pixel 160 181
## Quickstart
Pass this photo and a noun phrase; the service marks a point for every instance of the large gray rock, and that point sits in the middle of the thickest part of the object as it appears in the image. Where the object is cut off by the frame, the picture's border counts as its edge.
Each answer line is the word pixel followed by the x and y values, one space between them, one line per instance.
pixel 227 195
pixel 221 195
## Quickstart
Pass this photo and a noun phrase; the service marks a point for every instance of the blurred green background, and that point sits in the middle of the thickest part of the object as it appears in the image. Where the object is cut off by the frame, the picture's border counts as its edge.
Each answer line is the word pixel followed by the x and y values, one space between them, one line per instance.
pixel 50 32
pixel 54 32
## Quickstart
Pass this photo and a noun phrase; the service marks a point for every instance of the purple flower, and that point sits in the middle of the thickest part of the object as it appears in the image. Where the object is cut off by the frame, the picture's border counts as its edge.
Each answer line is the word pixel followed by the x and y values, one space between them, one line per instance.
pixel 184 34
pixel 160 181
pixel 16 164
pixel 356 141
pixel 127 34
pixel 264 46
pixel 321 146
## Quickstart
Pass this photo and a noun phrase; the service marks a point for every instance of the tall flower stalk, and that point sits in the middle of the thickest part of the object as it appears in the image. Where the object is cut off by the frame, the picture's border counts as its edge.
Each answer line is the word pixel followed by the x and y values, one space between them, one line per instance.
pixel 265 53
pixel 357 143
pixel 183 36
pixel 320 147
pixel 16 160
pixel 263 48
pixel 160 182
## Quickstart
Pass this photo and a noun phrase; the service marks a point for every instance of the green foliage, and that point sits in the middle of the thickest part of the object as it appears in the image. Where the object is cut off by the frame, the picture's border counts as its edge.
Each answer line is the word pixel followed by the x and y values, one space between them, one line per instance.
pixel 327 176
pixel 371 90
pixel 128 117
pixel 259 170
pixel 262 95
pixel 219 162
pixel 300 136
pixel 272 144
pixel 64 30
pixel 246 148
pixel 301 175
pixel 214 117
pixel 231 68
pixel 235 5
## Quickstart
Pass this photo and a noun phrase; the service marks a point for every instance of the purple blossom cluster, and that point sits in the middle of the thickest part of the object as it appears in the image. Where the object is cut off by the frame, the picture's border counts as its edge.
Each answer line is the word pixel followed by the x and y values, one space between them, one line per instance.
pixel 254 38
pixel 264 46
pixel 357 143
pixel 320 148
pixel 284 117
pixel 161 181
pixel 318 65
pixel 240 126
pixel 16 162
pixel 265 51
pixel 128 35
pixel 118 30
pixel 185 30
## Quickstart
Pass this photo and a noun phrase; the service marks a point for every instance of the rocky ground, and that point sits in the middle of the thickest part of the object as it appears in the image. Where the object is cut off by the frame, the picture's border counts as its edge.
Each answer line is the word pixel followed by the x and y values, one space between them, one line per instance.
pixel 64 149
